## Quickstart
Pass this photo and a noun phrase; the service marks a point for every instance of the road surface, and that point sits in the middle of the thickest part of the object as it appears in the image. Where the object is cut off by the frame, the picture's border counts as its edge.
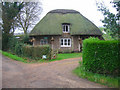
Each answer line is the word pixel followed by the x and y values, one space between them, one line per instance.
pixel 57 74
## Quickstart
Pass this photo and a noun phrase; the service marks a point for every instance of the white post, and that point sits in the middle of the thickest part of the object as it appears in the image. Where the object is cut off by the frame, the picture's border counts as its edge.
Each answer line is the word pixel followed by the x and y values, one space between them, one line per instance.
pixel 79 46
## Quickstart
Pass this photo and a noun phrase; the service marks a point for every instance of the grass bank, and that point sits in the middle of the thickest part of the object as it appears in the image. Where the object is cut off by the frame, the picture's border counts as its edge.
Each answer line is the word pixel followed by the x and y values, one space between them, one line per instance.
pixel 14 57
pixel 98 78
pixel 26 60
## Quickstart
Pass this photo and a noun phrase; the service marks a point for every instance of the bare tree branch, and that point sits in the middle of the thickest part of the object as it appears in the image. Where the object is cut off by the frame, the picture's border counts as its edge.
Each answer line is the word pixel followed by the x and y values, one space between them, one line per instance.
pixel 28 15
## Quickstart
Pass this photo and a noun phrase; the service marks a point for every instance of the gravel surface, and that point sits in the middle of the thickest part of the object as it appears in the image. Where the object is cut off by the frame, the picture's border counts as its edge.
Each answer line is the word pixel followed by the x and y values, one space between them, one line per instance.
pixel 57 74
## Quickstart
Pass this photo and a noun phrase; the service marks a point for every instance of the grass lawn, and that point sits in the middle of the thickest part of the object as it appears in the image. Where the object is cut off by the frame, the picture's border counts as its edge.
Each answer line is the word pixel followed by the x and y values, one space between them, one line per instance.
pixel 59 57
pixel 98 78
pixel 68 55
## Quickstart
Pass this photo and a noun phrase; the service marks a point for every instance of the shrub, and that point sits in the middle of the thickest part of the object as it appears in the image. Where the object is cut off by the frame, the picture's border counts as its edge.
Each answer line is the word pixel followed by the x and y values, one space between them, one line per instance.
pixel 19 48
pixel 15 46
pixel 36 52
pixel 101 56
pixel 26 39
pixel 12 43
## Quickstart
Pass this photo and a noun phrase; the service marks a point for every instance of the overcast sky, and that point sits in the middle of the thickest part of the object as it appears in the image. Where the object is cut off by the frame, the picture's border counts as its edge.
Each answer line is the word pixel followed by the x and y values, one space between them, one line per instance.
pixel 86 7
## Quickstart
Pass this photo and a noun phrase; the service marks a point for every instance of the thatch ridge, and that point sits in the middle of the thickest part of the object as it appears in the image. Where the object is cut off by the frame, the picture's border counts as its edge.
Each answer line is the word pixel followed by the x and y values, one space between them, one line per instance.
pixel 63 11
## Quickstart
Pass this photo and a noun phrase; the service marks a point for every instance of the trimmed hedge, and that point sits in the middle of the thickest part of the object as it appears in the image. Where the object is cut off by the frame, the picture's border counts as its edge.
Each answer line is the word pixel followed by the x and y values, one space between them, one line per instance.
pixel 36 52
pixel 101 56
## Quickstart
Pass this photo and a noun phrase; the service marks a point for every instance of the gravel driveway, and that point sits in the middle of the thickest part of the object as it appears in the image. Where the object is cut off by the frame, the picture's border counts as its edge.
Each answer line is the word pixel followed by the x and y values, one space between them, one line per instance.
pixel 57 74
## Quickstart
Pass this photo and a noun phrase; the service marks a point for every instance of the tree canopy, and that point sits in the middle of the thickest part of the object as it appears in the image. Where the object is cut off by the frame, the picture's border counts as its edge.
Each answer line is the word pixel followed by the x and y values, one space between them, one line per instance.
pixel 9 12
pixel 111 21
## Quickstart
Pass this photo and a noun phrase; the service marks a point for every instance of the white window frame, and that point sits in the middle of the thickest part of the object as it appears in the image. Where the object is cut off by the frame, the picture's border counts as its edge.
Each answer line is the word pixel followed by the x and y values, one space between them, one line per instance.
pixel 64 42
pixel 66 25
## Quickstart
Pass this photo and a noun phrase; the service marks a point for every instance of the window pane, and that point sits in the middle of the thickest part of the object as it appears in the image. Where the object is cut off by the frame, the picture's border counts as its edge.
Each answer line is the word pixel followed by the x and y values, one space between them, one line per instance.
pixel 63 28
pixel 45 41
pixel 68 41
pixel 61 41
pixel 66 28
pixel 41 42
pixel 65 41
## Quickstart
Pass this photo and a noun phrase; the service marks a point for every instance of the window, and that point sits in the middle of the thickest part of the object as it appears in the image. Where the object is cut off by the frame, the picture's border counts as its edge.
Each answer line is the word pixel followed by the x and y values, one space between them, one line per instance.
pixel 65 42
pixel 66 28
pixel 43 41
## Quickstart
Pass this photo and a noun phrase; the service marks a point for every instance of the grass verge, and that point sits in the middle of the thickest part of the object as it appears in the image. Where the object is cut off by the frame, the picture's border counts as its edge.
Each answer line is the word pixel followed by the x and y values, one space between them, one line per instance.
pixel 59 57
pixel 14 57
pixel 98 78
pixel 27 60
pixel 67 55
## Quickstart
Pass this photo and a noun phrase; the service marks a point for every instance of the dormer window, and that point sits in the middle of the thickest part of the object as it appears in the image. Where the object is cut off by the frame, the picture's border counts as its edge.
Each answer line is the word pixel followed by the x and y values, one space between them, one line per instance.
pixel 66 27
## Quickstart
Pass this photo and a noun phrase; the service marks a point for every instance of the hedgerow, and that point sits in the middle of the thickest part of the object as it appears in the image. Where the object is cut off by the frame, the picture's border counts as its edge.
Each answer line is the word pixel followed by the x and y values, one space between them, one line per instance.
pixel 101 56
pixel 36 52
pixel 33 52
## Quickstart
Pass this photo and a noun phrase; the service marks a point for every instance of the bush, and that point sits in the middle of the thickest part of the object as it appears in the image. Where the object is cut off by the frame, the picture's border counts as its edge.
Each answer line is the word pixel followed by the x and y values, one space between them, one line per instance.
pixel 33 52
pixel 15 46
pixel 101 56
pixel 25 39
pixel 19 48
pixel 36 52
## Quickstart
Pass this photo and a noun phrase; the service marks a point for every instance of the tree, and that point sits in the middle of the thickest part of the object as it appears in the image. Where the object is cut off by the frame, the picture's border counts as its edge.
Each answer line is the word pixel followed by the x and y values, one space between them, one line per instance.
pixel 9 12
pixel 111 20
pixel 28 15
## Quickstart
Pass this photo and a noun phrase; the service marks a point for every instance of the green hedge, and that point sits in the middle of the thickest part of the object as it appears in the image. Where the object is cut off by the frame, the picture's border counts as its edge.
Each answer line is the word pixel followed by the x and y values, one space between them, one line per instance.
pixel 101 56
pixel 33 52
pixel 36 52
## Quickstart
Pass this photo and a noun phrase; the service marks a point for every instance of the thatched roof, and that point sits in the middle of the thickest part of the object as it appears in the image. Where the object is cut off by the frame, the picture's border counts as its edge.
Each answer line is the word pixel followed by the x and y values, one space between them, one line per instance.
pixel 51 24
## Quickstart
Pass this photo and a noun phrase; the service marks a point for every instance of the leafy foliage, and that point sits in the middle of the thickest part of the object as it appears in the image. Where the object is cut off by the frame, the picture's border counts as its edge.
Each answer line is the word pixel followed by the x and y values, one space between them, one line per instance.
pixel 36 52
pixel 105 35
pixel 15 46
pixel 111 20
pixel 26 39
pixel 9 12
pixel 101 56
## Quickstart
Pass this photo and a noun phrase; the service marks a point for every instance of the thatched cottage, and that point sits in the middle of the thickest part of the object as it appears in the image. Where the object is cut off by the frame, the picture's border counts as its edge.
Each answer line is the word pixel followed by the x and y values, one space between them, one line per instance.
pixel 64 30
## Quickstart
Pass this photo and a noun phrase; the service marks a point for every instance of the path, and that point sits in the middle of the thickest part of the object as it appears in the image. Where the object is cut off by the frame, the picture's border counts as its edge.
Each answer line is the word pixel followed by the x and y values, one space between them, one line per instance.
pixel 57 74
